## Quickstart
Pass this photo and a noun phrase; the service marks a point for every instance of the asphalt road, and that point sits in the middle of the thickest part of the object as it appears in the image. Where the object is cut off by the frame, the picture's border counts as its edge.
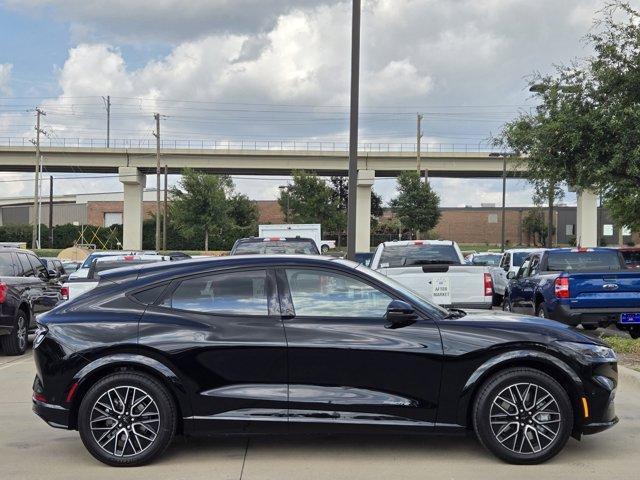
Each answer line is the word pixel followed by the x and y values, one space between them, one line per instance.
pixel 30 449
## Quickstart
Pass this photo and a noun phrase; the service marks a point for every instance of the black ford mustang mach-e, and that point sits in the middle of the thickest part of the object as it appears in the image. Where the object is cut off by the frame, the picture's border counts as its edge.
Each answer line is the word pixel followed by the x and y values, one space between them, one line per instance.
pixel 268 344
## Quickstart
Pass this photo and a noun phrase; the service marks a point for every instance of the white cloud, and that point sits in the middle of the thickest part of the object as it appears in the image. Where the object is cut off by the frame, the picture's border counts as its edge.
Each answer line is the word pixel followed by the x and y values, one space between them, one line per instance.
pixel 5 77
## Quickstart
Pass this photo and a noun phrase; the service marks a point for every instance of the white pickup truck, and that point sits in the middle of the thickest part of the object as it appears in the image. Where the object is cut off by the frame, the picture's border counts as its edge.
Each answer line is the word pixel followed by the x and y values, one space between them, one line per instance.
pixel 75 287
pixel 436 270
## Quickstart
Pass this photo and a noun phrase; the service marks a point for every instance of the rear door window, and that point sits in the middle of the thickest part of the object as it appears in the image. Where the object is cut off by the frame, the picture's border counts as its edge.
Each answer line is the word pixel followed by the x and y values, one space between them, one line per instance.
pixel 27 268
pixel 233 293
pixel 6 265
pixel 39 269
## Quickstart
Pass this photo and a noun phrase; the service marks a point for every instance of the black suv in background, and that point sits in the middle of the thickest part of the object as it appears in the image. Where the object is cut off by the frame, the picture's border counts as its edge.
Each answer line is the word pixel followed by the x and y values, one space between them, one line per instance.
pixel 26 289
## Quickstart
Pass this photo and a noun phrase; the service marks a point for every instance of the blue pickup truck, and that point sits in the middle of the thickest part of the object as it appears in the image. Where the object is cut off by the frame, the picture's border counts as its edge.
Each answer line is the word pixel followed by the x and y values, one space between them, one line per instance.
pixel 587 286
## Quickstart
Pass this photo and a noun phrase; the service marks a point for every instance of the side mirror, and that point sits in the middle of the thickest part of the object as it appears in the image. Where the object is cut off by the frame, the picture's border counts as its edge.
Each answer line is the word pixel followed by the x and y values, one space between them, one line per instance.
pixel 53 273
pixel 64 278
pixel 511 275
pixel 506 268
pixel 400 314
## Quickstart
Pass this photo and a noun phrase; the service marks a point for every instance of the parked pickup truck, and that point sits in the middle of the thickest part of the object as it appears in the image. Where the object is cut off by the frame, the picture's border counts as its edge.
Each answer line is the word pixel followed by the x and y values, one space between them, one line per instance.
pixel 75 287
pixel 588 286
pixel 436 270
pixel 511 261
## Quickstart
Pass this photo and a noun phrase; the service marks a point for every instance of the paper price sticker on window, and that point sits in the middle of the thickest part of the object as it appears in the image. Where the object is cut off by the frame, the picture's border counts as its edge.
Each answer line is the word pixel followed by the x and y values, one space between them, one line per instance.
pixel 441 290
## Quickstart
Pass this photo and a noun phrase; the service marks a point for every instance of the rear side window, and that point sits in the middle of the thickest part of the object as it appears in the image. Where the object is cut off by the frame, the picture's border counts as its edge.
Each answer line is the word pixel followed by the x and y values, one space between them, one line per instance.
pixel 38 267
pixel 233 293
pixel 6 265
pixel 150 295
pixel 27 269
pixel 424 254
pixel 583 261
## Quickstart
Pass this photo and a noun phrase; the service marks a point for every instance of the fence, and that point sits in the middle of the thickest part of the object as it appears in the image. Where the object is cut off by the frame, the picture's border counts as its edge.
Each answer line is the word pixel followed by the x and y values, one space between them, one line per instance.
pixel 267 145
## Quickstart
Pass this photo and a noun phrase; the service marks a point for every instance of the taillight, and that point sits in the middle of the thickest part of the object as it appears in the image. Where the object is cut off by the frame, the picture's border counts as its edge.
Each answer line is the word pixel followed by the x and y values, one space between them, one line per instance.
pixel 38 397
pixel 488 285
pixel 562 287
pixel 64 292
pixel 3 291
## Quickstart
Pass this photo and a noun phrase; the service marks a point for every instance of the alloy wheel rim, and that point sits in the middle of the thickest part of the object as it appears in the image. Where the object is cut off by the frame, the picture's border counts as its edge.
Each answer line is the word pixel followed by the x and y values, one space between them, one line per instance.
pixel 22 333
pixel 541 313
pixel 525 418
pixel 125 421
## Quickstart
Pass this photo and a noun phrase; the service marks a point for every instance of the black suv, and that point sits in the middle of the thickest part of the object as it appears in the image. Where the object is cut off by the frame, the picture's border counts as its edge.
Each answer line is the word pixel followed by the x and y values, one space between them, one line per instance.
pixel 303 343
pixel 26 289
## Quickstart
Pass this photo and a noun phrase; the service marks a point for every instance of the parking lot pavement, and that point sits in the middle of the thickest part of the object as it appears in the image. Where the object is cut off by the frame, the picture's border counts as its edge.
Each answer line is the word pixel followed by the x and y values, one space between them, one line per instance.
pixel 31 449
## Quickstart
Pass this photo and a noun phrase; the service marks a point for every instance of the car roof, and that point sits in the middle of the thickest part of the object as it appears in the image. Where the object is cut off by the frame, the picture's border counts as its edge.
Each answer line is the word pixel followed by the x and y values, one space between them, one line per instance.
pixel 274 239
pixel 197 265
pixel 524 250
pixel 16 250
pixel 404 243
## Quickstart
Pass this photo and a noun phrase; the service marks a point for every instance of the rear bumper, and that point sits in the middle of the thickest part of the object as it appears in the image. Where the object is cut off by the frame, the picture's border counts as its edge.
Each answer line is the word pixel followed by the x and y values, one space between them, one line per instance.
pixel 55 415
pixel 600 316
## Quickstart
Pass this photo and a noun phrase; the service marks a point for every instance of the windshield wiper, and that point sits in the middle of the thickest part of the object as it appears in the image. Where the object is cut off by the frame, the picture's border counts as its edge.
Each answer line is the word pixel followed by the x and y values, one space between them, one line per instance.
pixel 455 313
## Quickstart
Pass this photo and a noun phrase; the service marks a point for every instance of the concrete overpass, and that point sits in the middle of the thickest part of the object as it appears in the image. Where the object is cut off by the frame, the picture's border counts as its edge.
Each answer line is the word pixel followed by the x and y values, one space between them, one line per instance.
pixel 132 164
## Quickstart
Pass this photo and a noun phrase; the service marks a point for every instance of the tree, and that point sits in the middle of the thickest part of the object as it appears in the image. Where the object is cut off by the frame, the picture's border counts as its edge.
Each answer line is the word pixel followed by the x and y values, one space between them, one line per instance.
pixel 416 204
pixel 586 130
pixel 535 227
pixel 207 204
pixel 310 200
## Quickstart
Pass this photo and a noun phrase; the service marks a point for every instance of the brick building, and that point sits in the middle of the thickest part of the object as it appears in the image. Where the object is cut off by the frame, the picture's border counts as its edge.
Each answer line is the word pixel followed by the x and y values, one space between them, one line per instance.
pixel 466 225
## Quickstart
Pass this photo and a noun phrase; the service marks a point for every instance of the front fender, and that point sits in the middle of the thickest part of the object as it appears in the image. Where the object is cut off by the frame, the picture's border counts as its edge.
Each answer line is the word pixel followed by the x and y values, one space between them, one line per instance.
pixel 143 363
pixel 511 359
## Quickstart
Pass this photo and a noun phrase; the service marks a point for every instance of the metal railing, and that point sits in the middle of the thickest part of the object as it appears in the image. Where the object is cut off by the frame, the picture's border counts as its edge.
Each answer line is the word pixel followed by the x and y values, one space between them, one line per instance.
pixel 256 145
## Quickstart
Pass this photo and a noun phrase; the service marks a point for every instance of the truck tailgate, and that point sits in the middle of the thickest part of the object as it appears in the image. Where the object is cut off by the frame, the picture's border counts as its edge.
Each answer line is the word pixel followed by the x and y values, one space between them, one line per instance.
pixel 443 284
pixel 605 289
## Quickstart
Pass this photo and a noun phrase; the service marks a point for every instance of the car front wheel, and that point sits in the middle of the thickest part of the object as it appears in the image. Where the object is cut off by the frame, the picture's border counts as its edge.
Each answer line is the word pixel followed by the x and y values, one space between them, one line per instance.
pixel 523 416
pixel 127 419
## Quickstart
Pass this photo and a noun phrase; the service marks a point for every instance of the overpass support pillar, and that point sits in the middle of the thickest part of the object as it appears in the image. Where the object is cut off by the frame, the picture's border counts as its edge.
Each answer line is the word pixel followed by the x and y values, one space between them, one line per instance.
pixel 363 210
pixel 587 219
pixel 133 181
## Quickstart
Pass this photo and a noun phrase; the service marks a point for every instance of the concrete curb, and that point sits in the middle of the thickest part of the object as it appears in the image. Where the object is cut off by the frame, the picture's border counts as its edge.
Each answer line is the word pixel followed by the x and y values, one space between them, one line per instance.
pixel 627 375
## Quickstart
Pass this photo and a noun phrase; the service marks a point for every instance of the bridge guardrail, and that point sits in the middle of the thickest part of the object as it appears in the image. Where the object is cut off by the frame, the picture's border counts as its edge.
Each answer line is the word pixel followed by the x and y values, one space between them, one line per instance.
pixel 266 145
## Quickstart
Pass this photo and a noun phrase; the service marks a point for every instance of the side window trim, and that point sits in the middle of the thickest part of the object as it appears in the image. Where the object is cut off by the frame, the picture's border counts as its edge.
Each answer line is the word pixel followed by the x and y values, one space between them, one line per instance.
pixel 273 307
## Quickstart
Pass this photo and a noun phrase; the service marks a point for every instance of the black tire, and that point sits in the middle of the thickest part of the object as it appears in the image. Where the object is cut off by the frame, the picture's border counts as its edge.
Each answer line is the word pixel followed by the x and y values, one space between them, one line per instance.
pixel 541 310
pixel 15 343
pixel 506 303
pixel 496 300
pixel 93 412
pixel 526 425
pixel 324 249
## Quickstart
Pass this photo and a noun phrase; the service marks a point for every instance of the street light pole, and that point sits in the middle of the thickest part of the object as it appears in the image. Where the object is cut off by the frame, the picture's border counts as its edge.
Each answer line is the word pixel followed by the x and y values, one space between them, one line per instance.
pixel 504 196
pixel 353 131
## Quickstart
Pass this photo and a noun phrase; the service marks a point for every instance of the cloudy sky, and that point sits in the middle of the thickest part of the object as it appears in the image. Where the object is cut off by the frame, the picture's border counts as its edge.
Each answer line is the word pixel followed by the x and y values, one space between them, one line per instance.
pixel 279 70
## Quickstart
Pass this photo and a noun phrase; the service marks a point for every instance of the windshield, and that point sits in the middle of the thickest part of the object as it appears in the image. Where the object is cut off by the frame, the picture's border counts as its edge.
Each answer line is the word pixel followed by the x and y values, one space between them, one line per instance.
pixel 425 254
pixel 272 247
pixel 6 268
pixel 583 261
pixel 431 308
pixel 486 260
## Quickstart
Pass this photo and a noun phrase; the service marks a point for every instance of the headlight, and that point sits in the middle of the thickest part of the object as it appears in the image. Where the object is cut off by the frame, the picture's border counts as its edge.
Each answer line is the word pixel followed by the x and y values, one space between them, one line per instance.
pixel 589 351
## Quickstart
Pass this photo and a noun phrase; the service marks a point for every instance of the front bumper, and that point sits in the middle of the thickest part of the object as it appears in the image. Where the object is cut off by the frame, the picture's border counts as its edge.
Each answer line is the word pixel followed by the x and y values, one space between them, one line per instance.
pixel 600 394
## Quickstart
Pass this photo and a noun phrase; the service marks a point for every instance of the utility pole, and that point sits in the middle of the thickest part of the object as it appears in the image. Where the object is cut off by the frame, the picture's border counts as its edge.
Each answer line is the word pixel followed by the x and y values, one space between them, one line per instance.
pixel 165 210
pixel 157 135
pixel 504 195
pixel 51 211
pixel 353 131
pixel 552 189
pixel 418 141
pixel 107 104
pixel 36 195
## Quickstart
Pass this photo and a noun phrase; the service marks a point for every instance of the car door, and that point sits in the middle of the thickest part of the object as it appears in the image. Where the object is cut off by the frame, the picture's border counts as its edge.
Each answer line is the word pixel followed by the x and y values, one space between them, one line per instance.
pixel 500 274
pixel 516 287
pixel 345 367
pixel 45 293
pixel 229 341
pixel 527 303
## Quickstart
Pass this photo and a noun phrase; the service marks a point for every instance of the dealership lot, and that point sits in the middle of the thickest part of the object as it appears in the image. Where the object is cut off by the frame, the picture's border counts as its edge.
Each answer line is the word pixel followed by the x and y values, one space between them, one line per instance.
pixel 31 449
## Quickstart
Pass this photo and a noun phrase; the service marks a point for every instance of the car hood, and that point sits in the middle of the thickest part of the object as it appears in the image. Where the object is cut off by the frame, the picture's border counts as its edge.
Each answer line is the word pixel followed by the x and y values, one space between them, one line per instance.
pixel 508 321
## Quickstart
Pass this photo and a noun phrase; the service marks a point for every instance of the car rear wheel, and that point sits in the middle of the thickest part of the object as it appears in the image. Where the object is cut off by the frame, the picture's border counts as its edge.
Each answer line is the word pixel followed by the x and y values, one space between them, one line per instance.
pixel 127 419
pixel 523 416
pixel 324 249
pixel 15 343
